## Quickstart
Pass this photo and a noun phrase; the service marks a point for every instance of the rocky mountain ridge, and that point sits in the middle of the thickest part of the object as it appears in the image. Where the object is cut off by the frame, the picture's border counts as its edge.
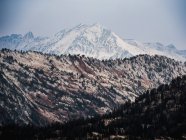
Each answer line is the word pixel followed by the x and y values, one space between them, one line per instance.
pixel 41 88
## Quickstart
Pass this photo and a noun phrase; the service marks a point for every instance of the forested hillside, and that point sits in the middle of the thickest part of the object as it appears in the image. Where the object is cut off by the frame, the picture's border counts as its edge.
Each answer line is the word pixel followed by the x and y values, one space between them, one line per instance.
pixel 159 113
pixel 40 89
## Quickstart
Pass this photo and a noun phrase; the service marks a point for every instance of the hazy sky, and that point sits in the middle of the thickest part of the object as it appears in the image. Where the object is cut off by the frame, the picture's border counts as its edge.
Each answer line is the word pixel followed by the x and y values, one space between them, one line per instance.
pixel 144 20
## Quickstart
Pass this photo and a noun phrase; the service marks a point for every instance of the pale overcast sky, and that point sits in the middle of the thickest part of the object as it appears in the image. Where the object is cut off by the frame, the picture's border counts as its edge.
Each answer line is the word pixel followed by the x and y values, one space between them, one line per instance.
pixel 144 20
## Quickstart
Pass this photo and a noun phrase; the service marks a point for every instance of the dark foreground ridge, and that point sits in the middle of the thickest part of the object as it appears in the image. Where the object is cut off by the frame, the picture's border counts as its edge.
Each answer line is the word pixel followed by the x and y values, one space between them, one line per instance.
pixel 159 113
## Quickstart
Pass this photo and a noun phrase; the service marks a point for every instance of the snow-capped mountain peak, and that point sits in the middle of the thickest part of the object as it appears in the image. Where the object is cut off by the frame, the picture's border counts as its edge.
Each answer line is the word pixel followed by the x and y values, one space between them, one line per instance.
pixel 29 35
pixel 90 40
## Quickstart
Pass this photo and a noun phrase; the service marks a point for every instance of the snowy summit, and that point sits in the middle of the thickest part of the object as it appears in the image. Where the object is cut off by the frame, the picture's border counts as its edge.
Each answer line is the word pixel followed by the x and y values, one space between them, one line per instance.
pixel 90 40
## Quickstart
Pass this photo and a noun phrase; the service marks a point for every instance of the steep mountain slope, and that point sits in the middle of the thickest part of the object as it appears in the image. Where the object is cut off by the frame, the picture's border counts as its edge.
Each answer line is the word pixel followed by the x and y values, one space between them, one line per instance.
pixel 41 88
pixel 157 114
pixel 89 40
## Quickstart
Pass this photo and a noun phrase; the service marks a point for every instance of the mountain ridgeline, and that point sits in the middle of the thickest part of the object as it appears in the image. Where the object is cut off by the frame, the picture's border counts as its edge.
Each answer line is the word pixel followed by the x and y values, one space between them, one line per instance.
pixel 90 40
pixel 40 89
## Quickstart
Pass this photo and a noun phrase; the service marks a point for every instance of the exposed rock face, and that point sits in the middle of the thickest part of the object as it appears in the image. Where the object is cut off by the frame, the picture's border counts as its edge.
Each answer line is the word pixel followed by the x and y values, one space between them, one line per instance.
pixel 41 88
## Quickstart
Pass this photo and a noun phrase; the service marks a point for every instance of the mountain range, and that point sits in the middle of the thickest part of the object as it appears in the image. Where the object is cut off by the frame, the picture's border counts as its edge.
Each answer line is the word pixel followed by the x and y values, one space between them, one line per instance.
pixel 89 83
pixel 40 89
pixel 90 40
